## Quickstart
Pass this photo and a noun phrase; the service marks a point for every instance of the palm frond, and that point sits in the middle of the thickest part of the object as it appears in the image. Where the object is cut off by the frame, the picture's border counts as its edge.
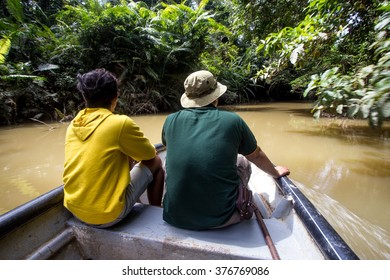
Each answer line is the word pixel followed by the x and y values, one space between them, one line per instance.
pixel 15 8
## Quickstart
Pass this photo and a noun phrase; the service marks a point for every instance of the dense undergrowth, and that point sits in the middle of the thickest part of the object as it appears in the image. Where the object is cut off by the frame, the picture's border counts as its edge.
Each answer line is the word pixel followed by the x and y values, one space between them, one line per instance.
pixel 336 53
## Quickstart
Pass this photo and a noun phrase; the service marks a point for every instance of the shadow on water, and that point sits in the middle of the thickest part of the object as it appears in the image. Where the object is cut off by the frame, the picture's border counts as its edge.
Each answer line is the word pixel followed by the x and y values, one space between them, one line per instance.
pixel 302 112
pixel 349 131
pixel 243 108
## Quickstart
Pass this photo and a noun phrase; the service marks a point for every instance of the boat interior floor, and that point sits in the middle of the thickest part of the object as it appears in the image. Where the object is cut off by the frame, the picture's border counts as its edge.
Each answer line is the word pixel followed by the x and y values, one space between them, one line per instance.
pixel 144 235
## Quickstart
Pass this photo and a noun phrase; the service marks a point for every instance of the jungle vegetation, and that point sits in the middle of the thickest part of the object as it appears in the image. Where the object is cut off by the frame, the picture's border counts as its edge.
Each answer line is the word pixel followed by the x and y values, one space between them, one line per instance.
pixel 333 52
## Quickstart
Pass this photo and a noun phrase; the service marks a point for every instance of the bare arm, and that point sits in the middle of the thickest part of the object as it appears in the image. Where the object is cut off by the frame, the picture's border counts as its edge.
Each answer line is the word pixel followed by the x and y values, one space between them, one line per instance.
pixel 260 159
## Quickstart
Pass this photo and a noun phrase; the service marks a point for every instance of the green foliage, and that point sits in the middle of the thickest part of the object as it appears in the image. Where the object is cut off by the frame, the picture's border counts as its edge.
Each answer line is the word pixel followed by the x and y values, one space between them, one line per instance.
pixel 233 70
pixel 140 45
pixel 253 20
pixel 337 45
pixel 15 8
pixel 365 92
pixel 333 33
pixel 252 46
pixel 17 104
pixel 22 49
pixel 290 46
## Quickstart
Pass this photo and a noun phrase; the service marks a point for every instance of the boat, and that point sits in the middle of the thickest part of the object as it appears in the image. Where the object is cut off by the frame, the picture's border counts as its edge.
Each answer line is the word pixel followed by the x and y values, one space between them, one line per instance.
pixel 286 226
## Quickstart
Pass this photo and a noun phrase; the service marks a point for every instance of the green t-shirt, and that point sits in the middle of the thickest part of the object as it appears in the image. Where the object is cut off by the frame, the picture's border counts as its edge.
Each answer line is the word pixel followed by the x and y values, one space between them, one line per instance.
pixel 201 182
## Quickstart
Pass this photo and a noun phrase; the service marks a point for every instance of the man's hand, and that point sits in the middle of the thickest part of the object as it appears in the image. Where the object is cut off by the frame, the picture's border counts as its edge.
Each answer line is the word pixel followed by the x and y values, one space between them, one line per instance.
pixel 283 171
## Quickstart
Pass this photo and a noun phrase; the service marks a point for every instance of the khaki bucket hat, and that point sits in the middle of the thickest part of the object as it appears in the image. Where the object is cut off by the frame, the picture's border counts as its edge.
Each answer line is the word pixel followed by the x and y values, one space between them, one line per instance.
pixel 201 89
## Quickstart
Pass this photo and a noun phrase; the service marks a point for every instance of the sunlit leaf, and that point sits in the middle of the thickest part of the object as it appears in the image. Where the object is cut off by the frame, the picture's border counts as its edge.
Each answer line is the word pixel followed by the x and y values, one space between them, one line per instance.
pixel 383 84
pixel 365 109
pixel 317 114
pixel 295 53
pixel 374 119
pixel 46 67
pixel 339 109
pixel 352 110
pixel 382 24
pixel 386 110
pixel 5 45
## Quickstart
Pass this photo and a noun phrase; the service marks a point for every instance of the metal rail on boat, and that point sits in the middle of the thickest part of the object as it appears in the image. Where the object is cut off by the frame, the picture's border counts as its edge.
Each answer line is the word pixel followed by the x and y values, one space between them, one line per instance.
pixel 328 240
pixel 26 212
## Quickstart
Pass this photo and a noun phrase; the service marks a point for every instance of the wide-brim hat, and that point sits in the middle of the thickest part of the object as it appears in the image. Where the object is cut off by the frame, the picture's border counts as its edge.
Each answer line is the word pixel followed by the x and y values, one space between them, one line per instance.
pixel 201 89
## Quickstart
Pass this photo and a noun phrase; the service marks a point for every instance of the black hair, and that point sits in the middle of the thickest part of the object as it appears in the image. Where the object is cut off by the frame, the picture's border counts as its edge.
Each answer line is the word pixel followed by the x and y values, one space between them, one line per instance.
pixel 98 87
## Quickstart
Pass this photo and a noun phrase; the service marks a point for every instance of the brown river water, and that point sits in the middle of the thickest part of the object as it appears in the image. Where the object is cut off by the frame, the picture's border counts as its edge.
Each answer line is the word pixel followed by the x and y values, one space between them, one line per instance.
pixel 342 166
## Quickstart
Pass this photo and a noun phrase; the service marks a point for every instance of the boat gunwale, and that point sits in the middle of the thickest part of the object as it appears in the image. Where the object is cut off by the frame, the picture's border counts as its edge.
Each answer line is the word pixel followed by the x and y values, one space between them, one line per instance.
pixel 24 213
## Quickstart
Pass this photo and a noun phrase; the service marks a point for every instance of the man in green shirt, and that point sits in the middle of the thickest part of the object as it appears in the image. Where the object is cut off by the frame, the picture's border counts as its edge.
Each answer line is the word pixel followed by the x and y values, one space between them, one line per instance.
pixel 203 144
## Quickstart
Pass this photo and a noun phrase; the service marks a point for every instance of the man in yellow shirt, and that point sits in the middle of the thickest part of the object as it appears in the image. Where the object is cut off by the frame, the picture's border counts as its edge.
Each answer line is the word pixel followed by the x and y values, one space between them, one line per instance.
pixel 99 187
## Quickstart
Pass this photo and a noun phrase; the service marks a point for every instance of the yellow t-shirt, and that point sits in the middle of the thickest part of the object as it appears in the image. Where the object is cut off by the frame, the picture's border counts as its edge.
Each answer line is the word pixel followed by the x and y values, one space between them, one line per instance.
pixel 96 170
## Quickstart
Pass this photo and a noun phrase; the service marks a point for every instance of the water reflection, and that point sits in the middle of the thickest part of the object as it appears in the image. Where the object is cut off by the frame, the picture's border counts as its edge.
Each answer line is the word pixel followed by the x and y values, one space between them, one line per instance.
pixel 349 131
pixel 31 162
pixel 24 187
